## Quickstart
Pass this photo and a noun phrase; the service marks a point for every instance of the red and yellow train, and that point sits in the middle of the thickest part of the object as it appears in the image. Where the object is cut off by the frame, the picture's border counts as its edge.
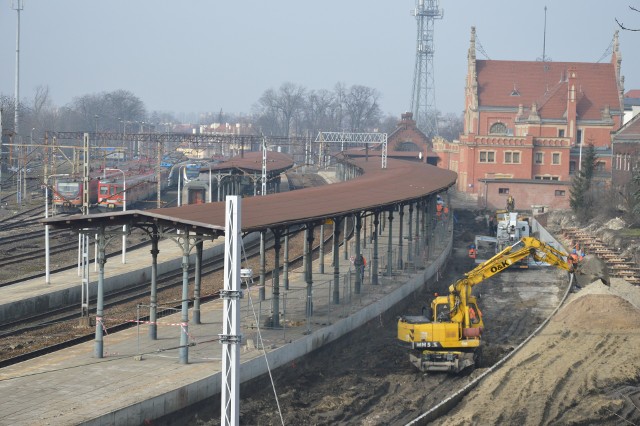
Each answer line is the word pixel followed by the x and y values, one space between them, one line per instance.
pixel 68 193
pixel 141 184
pixel 106 188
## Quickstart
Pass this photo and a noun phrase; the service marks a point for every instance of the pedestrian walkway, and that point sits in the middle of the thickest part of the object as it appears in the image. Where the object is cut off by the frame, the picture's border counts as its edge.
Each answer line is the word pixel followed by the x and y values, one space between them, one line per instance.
pixel 141 379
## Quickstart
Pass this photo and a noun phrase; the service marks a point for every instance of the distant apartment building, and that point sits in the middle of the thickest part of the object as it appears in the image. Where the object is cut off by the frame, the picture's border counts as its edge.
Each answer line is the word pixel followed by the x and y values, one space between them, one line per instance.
pixel 526 124
pixel 631 104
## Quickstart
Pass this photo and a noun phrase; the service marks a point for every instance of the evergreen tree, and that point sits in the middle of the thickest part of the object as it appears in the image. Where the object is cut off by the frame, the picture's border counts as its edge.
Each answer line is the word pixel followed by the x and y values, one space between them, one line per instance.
pixel 635 190
pixel 581 198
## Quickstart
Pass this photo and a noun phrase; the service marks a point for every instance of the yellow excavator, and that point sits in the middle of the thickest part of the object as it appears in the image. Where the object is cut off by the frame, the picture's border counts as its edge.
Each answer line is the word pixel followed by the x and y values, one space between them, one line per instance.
pixel 449 339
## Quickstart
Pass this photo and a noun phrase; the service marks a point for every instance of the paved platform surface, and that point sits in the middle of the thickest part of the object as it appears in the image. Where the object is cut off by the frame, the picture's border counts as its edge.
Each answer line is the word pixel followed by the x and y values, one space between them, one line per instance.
pixel 135 260
pixel 140 375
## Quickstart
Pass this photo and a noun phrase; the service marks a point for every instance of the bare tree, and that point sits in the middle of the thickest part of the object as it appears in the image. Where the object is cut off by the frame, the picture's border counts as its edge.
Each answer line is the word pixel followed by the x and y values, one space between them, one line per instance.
pixel 361 105
pixel 105 111
pixel 284 104
pixel 318 111
pixel 621 25
pixel 450 126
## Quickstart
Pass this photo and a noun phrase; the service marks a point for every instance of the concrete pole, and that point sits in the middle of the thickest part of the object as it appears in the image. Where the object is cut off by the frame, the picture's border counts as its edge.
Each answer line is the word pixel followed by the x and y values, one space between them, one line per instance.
pixel 99 346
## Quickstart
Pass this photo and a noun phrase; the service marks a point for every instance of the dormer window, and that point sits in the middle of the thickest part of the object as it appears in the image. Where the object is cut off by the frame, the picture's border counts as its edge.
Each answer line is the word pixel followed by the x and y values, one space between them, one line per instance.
pixel 498 129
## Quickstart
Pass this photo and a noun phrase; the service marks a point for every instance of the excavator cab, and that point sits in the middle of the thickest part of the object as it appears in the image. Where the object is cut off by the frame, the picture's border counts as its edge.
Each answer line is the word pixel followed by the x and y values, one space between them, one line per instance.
pixel 442 311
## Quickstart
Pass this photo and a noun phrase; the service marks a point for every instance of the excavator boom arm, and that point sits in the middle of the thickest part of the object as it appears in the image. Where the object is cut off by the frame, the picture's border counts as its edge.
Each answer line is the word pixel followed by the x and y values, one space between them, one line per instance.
pixel 540 251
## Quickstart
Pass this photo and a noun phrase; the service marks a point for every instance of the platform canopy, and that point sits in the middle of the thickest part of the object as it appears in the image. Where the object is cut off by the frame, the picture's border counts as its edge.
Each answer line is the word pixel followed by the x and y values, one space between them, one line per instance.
pixel 375 190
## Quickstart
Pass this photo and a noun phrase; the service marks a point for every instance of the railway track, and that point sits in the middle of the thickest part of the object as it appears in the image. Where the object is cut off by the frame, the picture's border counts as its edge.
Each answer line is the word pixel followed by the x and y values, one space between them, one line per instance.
pixel 22 219
pixel 129 298
pixel 132 296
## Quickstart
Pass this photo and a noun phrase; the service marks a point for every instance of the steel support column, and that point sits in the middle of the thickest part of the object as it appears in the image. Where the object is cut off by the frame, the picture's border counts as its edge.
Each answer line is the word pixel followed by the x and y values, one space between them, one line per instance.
pixel 390 245
pixel 263 266
pixel 345 239
pixel 336 259
pixel 358 253
pixel 153 298
pixel 410 234
pixel 374 236
pixel 275 303
pixel 321 251
pixel 400 236
pixel 184 323
pixel 231 337
pixel 309 270
pixel 364 232
pixel 285 264
pixel 417 240
pixel 197 283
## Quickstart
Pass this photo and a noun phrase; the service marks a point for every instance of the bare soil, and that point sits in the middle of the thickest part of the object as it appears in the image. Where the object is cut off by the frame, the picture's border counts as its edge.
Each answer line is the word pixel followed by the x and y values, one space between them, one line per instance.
pixel 582 369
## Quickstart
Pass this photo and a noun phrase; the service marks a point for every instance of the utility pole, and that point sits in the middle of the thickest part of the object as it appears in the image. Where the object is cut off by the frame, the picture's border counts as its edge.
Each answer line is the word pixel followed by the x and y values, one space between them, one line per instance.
pixel 18 5
pixel 423 100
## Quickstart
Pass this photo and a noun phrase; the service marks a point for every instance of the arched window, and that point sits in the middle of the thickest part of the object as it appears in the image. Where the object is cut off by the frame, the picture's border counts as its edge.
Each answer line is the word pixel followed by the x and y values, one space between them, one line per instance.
pixel 407 146
pixel 498 129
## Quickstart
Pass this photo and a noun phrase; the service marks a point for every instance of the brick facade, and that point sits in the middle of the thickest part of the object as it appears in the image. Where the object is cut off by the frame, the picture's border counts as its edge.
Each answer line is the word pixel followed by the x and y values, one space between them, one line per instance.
pixel 525 124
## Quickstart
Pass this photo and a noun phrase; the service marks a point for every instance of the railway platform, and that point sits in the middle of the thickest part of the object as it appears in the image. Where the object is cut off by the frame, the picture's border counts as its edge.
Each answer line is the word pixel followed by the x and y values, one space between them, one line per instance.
pixel 34 296
pixel 141 379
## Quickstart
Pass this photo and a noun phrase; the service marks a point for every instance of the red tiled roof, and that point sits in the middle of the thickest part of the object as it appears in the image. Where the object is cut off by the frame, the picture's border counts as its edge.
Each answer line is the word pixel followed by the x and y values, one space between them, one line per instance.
pixel 545 84
pixel 635 93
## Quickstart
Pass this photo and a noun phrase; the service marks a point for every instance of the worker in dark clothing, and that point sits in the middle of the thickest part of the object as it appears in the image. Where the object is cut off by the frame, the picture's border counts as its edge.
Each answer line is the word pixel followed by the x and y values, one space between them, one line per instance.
pixel 360 263
pixel 511 203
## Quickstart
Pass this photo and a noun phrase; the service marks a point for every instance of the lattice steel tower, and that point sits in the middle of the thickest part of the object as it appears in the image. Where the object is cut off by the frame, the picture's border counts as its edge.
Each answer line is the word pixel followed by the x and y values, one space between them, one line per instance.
pixel 423 99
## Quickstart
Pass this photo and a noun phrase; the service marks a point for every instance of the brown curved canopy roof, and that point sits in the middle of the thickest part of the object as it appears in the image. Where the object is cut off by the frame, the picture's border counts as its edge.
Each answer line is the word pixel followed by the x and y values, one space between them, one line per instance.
pixel 277 162
pixel 401 181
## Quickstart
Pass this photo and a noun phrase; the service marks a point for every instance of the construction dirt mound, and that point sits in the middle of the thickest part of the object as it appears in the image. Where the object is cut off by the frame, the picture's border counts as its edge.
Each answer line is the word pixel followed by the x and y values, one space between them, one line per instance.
pixel 583 367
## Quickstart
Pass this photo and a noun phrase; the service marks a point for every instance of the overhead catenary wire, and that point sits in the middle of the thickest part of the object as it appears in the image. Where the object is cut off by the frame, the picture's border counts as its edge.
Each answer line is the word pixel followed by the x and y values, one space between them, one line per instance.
pixel 261 342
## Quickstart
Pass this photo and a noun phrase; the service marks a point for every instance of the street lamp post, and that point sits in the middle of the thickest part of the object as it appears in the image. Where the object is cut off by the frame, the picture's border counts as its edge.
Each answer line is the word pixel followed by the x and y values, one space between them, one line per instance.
pixel 47 273
pixel 124 209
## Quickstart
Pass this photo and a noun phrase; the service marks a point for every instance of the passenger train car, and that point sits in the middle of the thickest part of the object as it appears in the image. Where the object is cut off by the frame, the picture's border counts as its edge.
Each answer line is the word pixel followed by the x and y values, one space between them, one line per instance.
pixel 141 185
pixel 68 193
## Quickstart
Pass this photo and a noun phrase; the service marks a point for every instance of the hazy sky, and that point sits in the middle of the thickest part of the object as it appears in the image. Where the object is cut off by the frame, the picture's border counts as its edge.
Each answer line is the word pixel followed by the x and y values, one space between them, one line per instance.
pixel 207 55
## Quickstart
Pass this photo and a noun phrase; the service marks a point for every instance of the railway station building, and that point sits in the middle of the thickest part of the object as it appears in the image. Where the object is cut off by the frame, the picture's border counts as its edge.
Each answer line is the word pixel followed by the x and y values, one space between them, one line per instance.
pixel 526 124
pixel 626 154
